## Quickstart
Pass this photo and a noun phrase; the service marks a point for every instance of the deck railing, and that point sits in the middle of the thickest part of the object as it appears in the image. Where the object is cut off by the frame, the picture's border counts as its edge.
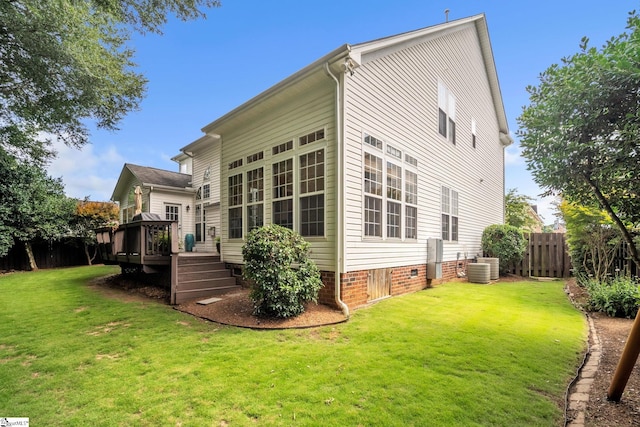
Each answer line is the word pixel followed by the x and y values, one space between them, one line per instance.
pixel 139 242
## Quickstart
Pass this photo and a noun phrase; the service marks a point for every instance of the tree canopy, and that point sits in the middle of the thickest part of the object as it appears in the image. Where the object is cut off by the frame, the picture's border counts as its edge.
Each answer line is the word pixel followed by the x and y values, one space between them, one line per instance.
pixel 581 132
pixel 517 208
pixel 32 206
pixel 89 216
pixel 67 63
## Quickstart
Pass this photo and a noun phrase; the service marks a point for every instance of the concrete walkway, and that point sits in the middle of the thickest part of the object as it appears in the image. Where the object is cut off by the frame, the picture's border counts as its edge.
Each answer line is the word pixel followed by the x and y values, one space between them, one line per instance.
pixel 579 395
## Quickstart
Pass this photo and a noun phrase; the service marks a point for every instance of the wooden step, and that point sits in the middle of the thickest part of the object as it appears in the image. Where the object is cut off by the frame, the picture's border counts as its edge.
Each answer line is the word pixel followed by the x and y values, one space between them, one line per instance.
pixel 185 260
pixel 191 268
pixel 203 274
pixel 209 283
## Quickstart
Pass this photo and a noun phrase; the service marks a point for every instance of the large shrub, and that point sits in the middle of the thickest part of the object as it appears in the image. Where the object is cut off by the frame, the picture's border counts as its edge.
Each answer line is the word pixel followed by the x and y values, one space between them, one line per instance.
pixel 282 275
pixel 618 297
pixel 505 242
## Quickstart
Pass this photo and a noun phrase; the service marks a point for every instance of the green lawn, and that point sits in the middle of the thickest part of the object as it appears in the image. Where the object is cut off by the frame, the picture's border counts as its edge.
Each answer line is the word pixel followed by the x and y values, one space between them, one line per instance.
pixel 458 354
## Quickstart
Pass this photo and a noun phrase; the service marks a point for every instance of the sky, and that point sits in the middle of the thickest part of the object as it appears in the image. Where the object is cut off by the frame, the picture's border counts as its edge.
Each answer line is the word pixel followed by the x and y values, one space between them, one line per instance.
pixel 200 70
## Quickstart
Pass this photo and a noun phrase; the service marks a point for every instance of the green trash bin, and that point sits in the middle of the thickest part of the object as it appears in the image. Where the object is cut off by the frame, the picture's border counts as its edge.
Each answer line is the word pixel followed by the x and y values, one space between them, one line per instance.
pixel 189 241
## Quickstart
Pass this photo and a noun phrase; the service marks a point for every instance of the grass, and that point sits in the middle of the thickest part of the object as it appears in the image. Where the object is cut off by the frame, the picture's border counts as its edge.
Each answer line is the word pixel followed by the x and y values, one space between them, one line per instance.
pixel 458 354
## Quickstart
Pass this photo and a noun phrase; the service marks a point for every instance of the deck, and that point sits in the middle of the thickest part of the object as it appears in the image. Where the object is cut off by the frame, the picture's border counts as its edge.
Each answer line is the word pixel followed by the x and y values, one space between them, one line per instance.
pixel 151 246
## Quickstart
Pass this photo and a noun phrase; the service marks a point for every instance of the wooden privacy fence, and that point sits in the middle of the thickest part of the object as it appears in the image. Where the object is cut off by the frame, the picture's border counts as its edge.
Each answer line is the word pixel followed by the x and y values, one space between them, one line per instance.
pixel 546 256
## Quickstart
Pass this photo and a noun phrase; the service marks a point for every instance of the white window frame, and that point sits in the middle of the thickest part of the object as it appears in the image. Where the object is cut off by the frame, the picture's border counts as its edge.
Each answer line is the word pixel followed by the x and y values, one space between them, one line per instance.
pixel 450 219
pixel 317 145
pixel 391 197
pixel 447 105
pixel 254 198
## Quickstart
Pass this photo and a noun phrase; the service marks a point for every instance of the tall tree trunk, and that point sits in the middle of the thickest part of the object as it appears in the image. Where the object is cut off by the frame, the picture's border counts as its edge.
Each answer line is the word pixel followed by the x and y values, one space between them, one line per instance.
pixel 86 253
pixel 32 261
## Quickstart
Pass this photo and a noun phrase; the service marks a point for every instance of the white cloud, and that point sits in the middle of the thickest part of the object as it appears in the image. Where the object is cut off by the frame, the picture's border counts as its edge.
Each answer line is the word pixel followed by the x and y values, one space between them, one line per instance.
pixel 513 155
pixel 88 172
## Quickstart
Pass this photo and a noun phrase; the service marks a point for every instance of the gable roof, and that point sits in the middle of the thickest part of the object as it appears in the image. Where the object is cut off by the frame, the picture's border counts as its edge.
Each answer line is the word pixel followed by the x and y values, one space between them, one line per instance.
pixel 152 177
pixel 349 57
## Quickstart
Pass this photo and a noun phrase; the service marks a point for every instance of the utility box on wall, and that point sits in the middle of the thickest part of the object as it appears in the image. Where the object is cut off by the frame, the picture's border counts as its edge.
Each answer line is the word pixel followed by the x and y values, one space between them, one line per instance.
pixel 434 258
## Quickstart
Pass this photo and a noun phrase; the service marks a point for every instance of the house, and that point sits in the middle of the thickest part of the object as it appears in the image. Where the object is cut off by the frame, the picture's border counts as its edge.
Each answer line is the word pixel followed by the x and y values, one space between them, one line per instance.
pixel 387 156
pixel 537 225
pixel 166 193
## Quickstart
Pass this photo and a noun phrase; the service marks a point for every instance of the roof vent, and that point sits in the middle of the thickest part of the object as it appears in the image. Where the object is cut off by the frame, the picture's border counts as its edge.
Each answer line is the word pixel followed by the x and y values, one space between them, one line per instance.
pixel 446 15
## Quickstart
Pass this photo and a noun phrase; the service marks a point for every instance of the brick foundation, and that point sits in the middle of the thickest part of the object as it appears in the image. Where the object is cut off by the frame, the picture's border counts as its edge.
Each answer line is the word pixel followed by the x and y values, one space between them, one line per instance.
pixel 404 280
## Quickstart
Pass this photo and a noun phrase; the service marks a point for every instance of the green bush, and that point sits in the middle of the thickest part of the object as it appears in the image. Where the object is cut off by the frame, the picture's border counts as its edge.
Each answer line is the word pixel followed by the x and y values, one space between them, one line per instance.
pixel 282 275
pixel 618 297
pixel 505 242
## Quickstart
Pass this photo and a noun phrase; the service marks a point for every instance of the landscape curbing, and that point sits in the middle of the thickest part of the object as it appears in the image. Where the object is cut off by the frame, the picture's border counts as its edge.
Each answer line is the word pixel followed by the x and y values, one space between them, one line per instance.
pixel 579 395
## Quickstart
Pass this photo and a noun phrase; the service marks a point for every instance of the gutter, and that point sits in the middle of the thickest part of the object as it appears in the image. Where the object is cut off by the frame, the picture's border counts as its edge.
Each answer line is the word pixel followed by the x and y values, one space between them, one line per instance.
pixel 339 220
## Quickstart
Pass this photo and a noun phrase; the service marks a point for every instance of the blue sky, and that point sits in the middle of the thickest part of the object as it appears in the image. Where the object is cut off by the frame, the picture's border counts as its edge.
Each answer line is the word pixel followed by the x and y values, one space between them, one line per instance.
pixel 199 70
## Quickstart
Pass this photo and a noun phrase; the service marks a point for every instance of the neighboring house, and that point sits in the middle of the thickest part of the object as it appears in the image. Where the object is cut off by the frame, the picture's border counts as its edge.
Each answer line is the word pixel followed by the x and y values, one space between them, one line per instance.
pixel 166 193
pixel 538 224
pixel 371 152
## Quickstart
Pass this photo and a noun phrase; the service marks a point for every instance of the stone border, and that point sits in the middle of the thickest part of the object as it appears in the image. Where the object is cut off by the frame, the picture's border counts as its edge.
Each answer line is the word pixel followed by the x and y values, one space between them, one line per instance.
pixel 579 396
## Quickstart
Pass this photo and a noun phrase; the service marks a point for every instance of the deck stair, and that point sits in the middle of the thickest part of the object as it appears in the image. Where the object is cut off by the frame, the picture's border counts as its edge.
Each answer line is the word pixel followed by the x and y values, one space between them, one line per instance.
pixel 199 276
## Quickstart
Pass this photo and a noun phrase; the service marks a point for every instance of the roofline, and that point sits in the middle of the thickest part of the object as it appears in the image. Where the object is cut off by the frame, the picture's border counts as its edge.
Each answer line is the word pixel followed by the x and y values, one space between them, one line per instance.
pixel 189 148
pixel 332 56
pixel 357 50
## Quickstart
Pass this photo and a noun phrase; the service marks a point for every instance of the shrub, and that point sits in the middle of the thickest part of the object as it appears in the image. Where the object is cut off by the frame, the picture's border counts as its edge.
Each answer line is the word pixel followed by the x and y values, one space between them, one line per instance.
pixel 618 297
pixel 282 275
pixel 505 242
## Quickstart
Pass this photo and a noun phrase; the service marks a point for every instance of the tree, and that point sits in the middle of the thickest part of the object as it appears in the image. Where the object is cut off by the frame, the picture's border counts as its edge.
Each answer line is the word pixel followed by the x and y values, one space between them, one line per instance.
pixel 581 132
pixel 32 205
pixel 89 216
pixel 67 62
pixel 505 242
pixel 592 239
pixel 517 208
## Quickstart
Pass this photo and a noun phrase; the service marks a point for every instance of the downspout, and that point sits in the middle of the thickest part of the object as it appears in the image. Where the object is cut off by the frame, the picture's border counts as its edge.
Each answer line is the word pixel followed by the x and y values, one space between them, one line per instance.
pixel 339 220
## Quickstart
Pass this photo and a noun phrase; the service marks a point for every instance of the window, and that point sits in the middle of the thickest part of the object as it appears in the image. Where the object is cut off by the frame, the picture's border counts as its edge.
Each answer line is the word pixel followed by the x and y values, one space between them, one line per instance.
pixel 255 157
pixel 473 133
pixel 171 212
pixel 411 209
pixel 394 192
pixel 282 147
pixel 283 193
pixel 255 196
pixel 449 214
pixel 411 222
pixel 312 193
pixel 372 216
pixel 374 142
pixel 390 193
pixel 235 164
pixel 442 122
pixel 312 137
pixel 446 113
pixel 394 181
pixel 312 215
pixel 206 191
pixel 393 219
pixel 373 195
pixel 235 206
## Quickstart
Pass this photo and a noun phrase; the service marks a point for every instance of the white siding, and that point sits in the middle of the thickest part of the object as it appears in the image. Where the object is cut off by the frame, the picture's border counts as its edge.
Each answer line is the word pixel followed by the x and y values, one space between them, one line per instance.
pixel 395 97
pixel 309 108
pixel 160 198
pixel 207 157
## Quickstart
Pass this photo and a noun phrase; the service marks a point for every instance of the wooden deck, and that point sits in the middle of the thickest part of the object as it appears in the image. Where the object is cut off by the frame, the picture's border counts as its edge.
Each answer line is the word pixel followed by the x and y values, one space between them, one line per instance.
pixel 152 247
